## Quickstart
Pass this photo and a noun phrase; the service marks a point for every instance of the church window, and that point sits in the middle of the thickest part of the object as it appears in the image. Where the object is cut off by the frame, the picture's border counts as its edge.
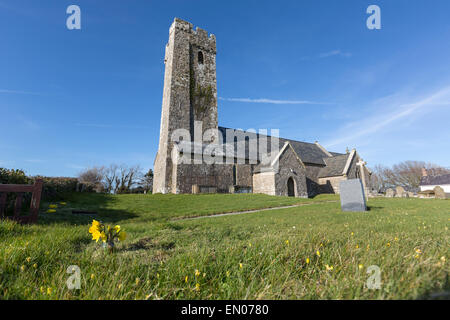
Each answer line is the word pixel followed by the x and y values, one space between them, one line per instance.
pixel 200 57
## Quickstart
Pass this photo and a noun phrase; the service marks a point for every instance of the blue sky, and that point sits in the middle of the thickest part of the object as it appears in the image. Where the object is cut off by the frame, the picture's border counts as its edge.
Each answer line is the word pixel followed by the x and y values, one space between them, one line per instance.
pixel 312 69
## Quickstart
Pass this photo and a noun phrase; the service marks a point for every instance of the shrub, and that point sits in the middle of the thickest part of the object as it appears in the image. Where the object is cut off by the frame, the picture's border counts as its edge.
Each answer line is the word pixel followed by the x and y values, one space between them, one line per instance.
pixel 56 188
pixel 13 176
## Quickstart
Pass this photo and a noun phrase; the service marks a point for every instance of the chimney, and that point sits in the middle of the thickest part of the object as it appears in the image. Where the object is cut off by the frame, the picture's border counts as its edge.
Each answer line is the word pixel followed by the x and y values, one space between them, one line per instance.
pixel 424 172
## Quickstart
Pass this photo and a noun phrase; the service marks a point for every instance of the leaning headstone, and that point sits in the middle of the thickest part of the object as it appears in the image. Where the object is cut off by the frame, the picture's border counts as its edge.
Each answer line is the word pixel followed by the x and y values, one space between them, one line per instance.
pixel 400 192
pixel 352 195
pixel 439 193
pixel 390 193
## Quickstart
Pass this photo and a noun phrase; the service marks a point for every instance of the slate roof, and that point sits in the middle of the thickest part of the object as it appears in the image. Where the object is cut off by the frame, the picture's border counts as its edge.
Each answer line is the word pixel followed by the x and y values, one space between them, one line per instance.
pixel 435 180
pixel 334 166
pixel 308 152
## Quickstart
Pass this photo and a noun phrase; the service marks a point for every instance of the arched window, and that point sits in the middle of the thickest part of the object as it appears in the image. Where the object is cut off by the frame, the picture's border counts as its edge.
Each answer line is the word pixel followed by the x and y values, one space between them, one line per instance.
pixel 200 57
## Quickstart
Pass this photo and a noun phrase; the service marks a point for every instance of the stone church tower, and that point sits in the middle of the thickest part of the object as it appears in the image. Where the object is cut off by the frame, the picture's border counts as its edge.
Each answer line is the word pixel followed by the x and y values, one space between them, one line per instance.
pixel 189 97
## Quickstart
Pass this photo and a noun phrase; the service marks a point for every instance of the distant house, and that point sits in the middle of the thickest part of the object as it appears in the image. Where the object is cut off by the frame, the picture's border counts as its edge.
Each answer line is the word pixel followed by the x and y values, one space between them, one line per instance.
pixel 428 183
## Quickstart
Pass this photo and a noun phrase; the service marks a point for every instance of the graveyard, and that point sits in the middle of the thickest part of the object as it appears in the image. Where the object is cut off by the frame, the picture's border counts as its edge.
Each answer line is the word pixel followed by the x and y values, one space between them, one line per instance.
pixel 177 249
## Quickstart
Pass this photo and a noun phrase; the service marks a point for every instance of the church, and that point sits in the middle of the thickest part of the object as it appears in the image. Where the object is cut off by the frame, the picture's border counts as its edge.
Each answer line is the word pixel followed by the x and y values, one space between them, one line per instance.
pixel 196 155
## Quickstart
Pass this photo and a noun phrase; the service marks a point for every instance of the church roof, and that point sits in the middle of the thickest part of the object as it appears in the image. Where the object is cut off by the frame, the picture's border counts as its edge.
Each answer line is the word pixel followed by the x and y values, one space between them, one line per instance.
pixel 308 152
pixel 334 166
pixel 435 180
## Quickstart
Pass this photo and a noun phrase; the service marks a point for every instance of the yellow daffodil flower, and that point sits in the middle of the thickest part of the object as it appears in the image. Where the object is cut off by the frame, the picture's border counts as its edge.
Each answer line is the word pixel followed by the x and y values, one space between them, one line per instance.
pixel 122 235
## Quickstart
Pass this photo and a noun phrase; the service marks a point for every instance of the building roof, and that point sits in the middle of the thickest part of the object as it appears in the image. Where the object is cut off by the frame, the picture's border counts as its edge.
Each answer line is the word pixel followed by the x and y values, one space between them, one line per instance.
pixel 308 152
pixel 334 166
pixel 435 180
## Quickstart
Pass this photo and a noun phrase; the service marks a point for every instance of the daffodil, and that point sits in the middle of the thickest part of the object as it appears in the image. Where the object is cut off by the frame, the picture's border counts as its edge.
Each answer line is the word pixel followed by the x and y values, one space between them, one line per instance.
pixel 360 266
pixel 329 268
pixel 122 235
pixel 318 253
pixel 53 206
pixel 95 235
pixel 307 260
pixel 51 211
pixel 197 273
pixel 49 291
pixel 186 279
pixel 240 265
pixel 197 287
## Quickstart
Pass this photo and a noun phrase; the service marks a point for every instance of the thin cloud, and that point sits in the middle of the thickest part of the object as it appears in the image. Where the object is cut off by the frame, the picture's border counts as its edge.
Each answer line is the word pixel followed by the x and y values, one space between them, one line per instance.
pixel 6 91
pixel 34 160
pixel 270 101
pixel 376 123
pixel 75 166
pixel 335 53
pixel 110 126
pixel 328 54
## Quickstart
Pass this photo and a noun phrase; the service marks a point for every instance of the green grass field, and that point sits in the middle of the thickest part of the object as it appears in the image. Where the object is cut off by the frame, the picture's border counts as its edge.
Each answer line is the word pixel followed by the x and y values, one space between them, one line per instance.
pixel 307 252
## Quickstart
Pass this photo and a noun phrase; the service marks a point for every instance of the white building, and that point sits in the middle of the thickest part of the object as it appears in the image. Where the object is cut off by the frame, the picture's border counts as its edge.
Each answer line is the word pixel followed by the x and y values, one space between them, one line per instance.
pixel 430 182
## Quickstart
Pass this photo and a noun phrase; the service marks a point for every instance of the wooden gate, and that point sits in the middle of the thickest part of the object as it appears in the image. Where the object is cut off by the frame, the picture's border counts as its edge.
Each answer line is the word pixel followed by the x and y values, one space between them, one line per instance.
pixel 20 189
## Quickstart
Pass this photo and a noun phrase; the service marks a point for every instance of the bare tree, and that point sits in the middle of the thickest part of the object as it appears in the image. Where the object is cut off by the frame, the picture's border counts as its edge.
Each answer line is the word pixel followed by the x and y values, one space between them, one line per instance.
pixel 92 177
pixel 406 174
pixel 121 178
pixel 147 181
pixel 109 178
pixel 127 178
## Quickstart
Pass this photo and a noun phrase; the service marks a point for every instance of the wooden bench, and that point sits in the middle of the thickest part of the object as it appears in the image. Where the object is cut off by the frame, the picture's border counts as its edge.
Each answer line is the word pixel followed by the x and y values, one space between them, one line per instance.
pixel 20 189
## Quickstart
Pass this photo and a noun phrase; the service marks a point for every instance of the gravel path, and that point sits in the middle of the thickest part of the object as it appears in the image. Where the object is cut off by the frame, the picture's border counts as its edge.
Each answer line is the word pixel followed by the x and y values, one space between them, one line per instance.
pixel 257 210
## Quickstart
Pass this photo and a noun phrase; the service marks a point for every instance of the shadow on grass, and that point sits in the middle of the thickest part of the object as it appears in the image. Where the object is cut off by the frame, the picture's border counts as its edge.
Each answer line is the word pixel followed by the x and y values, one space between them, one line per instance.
pixel 370 208
pixel 99 203
pixel 148 243
pixel 438 293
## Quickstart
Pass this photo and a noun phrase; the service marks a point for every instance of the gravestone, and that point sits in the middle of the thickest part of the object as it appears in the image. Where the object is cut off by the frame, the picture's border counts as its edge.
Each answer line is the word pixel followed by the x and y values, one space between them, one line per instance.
pixel 439 193
pixel 390 193
pixel 352 195
pixel 400 192
pixel 410 194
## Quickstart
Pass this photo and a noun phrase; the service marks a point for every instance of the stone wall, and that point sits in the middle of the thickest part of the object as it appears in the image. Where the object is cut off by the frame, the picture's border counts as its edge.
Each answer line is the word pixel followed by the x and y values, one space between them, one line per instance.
pixel 312 172
pixel 290 167
pixel 264 182
pixel 217 175
pixel 331 182
pixel 244 175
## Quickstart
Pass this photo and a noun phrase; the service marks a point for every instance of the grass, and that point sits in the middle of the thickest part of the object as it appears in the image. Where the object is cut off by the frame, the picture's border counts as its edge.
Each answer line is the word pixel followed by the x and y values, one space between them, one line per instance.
pixel 262 255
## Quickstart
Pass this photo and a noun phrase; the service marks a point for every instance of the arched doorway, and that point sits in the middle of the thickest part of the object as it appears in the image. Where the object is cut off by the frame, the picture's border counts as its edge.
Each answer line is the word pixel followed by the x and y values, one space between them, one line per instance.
pixel 291 187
